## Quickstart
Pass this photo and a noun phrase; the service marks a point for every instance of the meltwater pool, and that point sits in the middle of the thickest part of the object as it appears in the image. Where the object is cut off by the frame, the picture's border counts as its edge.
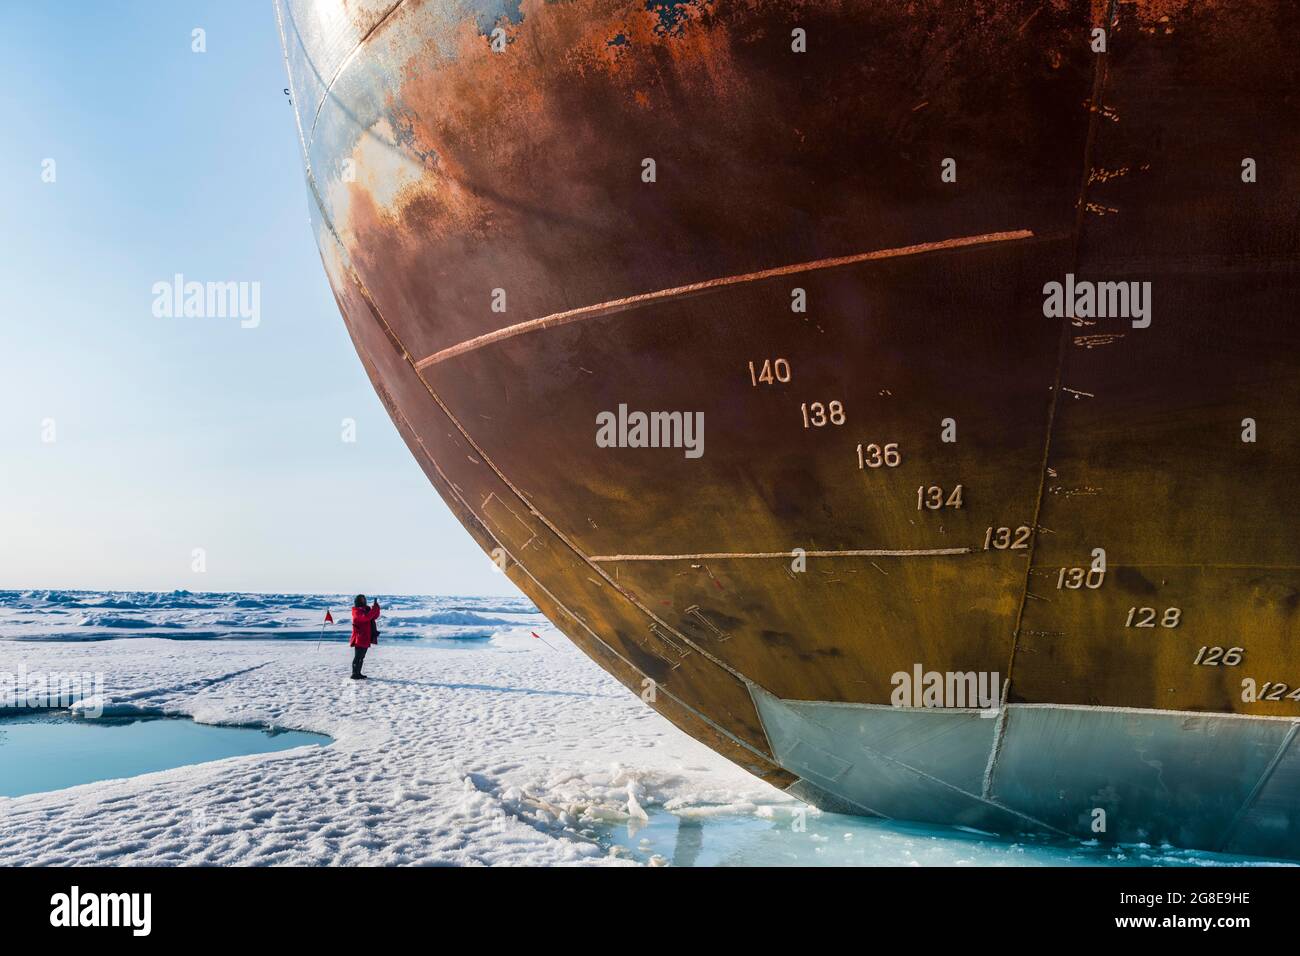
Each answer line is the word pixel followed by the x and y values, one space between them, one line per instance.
pixel 50 750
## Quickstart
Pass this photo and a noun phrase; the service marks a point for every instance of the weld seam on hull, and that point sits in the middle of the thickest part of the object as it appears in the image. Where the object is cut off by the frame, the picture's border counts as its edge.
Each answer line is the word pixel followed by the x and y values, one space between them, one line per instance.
pixel 995 749
pixel 725 555
pixel 1258 788
pixel 343 65
pixel 1098 86
pixel 1102 708
pixel 628 302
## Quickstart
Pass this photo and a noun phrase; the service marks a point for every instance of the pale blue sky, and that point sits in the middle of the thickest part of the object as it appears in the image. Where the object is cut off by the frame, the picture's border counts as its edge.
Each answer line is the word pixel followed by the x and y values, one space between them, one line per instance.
pixel 176 434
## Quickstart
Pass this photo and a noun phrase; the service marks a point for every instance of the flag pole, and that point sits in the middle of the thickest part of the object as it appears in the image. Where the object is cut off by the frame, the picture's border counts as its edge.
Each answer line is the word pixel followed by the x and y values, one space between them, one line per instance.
pixel 329 619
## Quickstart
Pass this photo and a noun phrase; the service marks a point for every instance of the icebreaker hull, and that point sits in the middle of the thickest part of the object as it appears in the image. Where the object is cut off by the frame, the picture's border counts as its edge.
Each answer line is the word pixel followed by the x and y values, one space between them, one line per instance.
pixel 829 229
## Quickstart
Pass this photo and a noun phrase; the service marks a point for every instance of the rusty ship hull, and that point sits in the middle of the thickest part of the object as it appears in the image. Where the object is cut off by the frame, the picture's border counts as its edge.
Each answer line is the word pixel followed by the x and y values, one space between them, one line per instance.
pixel 839 255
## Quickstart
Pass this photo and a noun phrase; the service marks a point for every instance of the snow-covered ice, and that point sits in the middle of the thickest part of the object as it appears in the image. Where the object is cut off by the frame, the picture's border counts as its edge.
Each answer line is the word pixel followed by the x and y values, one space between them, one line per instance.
pixel 503 751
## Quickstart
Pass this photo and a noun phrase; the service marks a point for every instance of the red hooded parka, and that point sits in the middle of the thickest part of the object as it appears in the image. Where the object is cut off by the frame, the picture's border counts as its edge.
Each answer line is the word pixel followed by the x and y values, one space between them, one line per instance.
pixel 361 618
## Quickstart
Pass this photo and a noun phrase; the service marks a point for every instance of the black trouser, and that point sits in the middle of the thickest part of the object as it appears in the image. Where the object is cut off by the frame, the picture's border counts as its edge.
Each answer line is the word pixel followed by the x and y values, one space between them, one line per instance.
pixel 358 655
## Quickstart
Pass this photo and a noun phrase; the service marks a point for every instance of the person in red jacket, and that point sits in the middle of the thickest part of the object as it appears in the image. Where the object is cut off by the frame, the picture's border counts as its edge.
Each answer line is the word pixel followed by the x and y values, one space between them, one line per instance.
pixel 363 619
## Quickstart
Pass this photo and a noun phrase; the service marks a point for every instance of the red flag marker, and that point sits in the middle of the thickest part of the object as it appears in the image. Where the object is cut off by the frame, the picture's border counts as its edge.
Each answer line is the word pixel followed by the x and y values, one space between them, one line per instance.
pixel 540 638
pixel 329 619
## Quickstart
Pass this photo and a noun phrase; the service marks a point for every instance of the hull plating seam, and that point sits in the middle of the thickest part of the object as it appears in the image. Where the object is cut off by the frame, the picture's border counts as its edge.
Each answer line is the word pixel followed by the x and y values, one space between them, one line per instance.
pixel 1085 179
pixel 727 555
pixel 601 309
